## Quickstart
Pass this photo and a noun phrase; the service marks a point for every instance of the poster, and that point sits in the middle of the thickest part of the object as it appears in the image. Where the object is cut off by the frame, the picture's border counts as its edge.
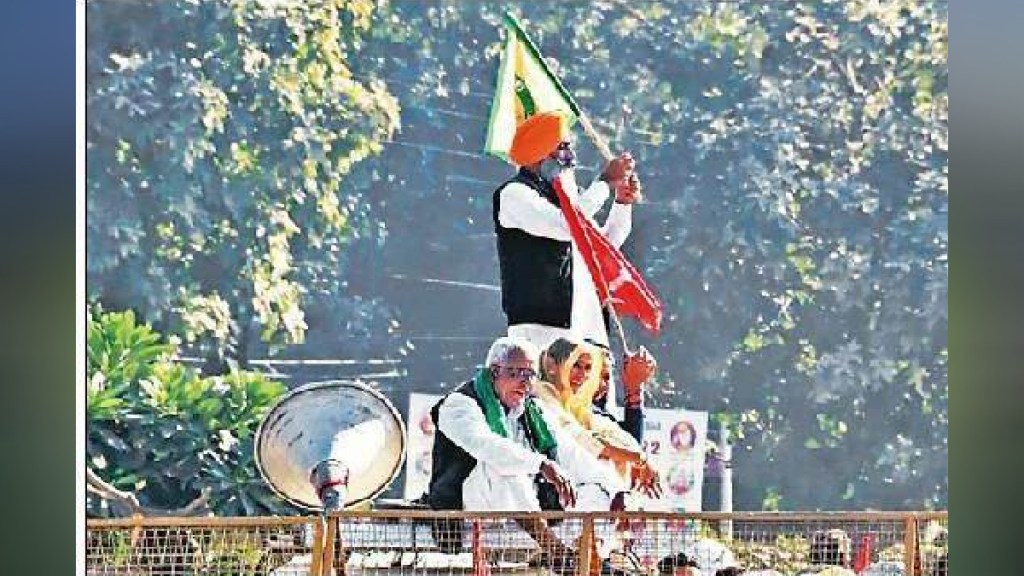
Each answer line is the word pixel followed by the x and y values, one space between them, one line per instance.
pixel 675 442
pixel 419 443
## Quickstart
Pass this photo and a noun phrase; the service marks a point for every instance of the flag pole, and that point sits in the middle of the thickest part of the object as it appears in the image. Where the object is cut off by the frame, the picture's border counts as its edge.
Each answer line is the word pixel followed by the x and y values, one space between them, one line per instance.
pixel 597 139
pixel 606 152
pixel 618 326
pixel 614 316
pixel 603 282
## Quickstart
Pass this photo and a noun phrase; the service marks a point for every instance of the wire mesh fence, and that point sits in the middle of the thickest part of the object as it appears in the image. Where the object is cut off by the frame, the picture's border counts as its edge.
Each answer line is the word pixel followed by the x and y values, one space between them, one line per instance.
pixel 176 546
pixel 932 533
pixel 457 543
pixel 426 543
pixel 766 544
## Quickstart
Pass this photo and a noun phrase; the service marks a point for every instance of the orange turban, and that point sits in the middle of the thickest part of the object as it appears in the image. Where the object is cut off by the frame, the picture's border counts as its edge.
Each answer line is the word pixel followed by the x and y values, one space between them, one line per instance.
pixel 538 136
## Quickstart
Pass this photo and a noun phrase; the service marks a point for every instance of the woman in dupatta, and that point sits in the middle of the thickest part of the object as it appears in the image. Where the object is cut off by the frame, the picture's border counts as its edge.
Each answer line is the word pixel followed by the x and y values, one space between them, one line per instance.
pixel 570 377
pixel 570 373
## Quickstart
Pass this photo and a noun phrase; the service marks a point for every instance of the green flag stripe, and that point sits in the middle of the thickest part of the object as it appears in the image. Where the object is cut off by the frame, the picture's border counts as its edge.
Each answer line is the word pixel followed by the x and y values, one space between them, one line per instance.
pixel 525 98
pixel 512 24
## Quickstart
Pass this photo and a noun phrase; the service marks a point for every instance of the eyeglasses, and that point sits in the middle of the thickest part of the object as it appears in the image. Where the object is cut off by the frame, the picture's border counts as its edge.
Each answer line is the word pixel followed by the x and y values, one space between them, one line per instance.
pixel 564 155
pixel 523 374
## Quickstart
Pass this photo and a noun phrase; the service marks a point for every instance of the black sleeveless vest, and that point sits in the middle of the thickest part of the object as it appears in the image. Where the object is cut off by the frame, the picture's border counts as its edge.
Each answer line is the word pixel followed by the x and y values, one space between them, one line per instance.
pixel 451 465
pixel 536 272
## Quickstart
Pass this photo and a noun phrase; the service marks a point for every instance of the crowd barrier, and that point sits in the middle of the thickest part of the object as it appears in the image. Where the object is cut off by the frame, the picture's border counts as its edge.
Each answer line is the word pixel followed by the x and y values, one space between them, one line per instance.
pixel 427 543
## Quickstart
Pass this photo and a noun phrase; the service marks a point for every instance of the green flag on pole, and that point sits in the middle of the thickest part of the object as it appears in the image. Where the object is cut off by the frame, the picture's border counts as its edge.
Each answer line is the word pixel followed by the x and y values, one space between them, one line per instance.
pixel 525 87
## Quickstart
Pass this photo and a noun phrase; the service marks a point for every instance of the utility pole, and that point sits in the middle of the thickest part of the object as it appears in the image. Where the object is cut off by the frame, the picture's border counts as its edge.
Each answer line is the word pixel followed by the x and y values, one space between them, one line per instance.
pixel 725 453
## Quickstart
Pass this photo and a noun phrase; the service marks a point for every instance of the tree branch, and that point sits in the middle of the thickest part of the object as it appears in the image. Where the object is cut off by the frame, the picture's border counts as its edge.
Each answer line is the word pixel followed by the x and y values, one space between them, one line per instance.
pixel 108 492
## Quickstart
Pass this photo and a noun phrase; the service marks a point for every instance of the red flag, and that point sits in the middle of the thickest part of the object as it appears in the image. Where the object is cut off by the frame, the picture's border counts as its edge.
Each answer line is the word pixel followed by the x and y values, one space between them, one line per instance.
pixel 863 554
pixel 616 280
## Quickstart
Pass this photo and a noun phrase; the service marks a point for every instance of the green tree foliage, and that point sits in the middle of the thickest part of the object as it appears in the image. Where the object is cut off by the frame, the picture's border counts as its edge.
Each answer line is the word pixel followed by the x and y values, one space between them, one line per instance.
pixel 165 435
pixel 219 137
pixel 794 154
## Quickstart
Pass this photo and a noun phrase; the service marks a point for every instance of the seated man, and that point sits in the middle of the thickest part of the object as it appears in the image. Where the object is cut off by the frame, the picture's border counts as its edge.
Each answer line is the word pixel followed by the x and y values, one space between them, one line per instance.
pixel 495 451
pixel 638 368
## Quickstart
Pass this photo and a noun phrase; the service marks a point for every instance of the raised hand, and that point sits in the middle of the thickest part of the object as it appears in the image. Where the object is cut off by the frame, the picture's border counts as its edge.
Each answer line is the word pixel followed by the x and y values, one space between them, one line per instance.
pixel 618 169
pixel 637 368
pixel 620 174
pixel 645 479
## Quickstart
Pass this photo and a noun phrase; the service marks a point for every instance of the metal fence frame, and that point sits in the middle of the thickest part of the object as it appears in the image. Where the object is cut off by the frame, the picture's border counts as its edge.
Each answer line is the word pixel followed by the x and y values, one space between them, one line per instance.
pixel 327 541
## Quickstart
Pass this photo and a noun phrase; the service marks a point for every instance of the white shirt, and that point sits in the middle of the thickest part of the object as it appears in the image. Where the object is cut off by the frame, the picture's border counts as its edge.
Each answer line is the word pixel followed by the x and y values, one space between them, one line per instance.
pixel 523 208
pixel 503 477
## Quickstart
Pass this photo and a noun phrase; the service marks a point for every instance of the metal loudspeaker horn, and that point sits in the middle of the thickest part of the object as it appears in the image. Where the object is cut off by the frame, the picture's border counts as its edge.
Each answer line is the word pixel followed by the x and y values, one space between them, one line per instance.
pixel 329 445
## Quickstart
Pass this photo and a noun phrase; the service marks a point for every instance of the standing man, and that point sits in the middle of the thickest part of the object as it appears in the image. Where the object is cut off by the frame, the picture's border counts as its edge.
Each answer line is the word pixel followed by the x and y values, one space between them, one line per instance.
pixel 546 289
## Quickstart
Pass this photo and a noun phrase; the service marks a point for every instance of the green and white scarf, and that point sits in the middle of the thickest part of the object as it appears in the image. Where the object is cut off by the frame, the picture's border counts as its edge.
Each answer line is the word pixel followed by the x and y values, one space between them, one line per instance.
pixel 483 383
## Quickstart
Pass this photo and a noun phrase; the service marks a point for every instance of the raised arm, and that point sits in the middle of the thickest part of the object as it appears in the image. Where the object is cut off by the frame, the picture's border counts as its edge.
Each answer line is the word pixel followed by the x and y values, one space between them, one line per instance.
pixel 591 199
pixel 620 175
pixel 619 224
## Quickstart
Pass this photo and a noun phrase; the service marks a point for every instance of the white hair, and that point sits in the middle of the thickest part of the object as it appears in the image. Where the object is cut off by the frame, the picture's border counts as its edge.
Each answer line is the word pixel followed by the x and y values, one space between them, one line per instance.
pixel 506 347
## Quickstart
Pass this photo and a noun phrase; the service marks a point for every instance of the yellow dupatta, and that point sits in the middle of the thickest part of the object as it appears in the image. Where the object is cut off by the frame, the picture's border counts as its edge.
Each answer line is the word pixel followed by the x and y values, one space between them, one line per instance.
pixel 576 407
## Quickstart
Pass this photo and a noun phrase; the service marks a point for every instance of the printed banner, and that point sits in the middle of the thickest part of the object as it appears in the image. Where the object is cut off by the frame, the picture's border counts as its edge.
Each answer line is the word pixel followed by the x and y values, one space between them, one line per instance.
pixel 419 444
pixel 675 442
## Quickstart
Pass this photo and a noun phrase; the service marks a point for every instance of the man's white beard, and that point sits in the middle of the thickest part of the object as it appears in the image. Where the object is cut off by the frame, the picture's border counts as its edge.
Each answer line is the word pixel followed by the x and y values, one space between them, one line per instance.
pixel 515 412
pixel 551 169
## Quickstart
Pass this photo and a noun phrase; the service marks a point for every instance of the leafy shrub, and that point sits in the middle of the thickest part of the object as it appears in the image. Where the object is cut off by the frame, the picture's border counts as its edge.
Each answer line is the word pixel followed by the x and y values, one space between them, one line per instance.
pixel 160 430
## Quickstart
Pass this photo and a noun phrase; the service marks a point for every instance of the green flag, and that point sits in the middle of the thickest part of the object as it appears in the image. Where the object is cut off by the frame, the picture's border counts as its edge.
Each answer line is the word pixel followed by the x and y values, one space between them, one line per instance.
pixel 525 87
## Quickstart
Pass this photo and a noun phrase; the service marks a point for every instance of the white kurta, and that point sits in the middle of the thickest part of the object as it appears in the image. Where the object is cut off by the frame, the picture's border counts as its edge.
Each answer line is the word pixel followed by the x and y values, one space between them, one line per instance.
pixel 594 492
pixel 503 479
pixel 523 208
